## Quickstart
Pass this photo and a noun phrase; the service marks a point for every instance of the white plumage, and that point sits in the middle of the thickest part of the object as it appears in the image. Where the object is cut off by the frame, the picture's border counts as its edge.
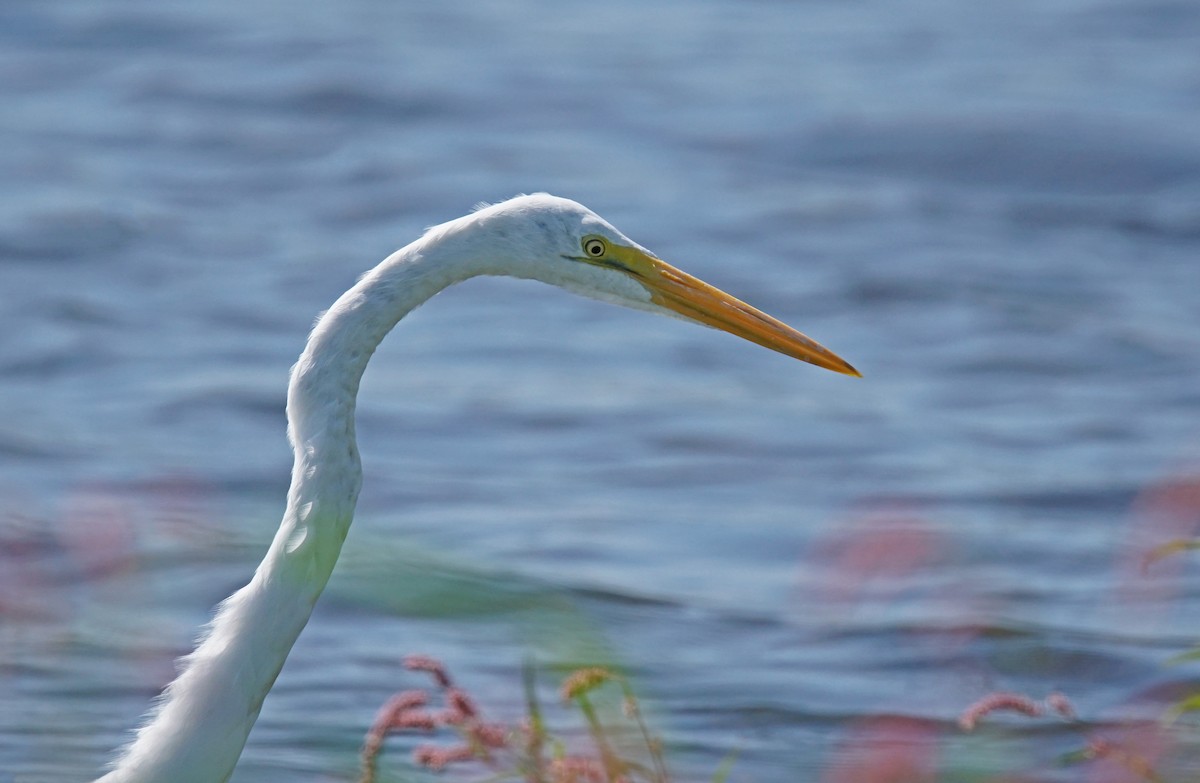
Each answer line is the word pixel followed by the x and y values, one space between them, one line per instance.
pixel 196 731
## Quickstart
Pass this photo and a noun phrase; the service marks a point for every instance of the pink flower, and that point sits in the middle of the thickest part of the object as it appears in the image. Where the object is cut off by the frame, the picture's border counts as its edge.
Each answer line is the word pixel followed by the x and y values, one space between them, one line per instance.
pixel 437 759
pixel 425 663
pixel 491 735
pixel 886 750
pixel 1000 700
pixel 461 705
pixel 576 769
pixel 1061 704
pixel 583 680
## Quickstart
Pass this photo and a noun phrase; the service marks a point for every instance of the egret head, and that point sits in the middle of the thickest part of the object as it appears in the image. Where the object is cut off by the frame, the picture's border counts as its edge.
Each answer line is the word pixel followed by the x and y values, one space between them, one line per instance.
pixel 564 243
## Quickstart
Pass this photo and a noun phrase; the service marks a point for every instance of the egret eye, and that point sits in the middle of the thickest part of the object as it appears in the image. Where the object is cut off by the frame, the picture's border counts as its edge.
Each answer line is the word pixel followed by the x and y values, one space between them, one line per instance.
pixel 594 247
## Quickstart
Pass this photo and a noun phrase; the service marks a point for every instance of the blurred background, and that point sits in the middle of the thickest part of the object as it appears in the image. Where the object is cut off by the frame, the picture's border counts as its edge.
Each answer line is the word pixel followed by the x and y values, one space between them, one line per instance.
pixel 991 209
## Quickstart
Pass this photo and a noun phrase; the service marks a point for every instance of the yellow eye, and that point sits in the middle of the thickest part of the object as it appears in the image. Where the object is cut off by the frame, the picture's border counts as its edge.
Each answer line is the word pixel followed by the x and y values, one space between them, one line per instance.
pixel 594 247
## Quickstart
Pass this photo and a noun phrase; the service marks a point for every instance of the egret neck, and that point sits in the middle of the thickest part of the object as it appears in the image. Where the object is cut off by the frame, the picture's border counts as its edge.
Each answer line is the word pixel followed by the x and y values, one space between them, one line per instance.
pixel 198 728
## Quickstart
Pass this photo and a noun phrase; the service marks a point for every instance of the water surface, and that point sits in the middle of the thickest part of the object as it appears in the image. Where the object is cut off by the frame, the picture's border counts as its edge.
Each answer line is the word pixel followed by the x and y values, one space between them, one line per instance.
pixel 994 212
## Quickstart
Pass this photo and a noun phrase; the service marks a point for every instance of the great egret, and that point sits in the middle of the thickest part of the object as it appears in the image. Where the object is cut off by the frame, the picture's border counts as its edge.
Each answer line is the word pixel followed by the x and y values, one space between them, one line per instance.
pixel 196 731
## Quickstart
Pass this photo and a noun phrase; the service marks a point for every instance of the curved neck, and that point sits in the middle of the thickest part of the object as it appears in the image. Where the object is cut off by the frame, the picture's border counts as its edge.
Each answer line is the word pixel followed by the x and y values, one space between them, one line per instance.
pixel 198 730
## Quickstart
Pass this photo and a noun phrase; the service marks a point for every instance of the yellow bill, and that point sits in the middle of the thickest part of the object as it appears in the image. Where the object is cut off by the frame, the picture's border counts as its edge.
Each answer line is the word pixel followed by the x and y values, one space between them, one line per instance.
pixel 699 301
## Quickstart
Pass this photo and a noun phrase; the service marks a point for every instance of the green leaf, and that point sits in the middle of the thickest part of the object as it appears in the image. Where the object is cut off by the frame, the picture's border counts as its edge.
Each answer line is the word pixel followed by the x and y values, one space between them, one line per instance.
pixel 1179 708
pixel 1170 548
pixel 724 768
pixel 1184 657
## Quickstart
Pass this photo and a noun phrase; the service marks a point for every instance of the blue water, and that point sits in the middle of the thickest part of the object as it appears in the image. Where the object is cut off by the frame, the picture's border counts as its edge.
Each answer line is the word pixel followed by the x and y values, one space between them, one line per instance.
pixel 993 210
